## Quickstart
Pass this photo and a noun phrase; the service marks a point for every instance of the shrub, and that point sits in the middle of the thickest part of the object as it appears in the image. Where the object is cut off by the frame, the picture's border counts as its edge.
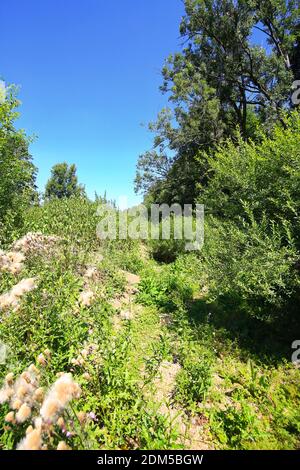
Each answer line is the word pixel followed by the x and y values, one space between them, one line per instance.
pixel 250 264
pixel 193 382
pixel 166 251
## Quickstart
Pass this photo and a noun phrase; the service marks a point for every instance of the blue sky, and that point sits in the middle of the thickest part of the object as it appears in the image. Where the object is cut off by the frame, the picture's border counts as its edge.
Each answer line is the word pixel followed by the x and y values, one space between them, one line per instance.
pixel 89 73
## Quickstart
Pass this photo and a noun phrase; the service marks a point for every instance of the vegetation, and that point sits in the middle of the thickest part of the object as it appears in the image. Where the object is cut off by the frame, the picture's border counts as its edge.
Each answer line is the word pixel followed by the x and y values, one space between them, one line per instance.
pixel 17 188
pixel 124 344
pixel 220 81
pixel 63 182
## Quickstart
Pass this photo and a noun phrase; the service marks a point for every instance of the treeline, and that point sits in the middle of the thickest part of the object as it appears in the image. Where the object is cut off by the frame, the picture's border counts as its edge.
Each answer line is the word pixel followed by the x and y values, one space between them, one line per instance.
pixel 230 140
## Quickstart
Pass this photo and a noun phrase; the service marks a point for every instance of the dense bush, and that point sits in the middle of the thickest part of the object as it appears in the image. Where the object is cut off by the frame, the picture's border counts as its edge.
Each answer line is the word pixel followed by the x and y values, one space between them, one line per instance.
pixel 260 177
pixel 63 182
pixel 251 251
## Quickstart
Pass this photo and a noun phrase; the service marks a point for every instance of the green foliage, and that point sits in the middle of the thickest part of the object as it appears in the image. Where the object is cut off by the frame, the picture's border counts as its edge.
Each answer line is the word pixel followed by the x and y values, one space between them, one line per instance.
pixel 251 251
pixel 17 185
pixel 234 427
pixel 164 289
pixel 261 178
pixel 220 81
pixel 63 182
pixel 166 251
pixel 74 219
pixel 252 265
pixel 193 382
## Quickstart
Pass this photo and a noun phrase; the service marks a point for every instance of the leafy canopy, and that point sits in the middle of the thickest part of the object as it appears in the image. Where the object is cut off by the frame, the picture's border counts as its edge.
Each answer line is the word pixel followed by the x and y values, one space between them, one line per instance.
pixel 220 80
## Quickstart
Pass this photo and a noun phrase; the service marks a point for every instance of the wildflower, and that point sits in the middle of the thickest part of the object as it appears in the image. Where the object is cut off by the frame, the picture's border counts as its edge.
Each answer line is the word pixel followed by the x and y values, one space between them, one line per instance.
pixel 21 391
pixel 25 386
pixel 10 417
pixel 84 353
pixel 29 429
pixel 32 441
pixel 35 242
pixel 66 388
pixel 16 268
pixel 5 394
pixel 60 423
pixel 81 417
pixel 11 262
pixel 38 422
pixel 16 404
pixel 16 257
pixel 86 376
pixel 75 362
pixel 47 352
pixel 86 298
pixel 8 301
pixel 23 413
pixel 41 360
pixel 50 409
pixel 63 446
pixel 9 378
pixel 61 393
pixel 26 377
pixel 12 298
pixel 33 370
pixel 92 416
pixel 24 286
pixel 39 394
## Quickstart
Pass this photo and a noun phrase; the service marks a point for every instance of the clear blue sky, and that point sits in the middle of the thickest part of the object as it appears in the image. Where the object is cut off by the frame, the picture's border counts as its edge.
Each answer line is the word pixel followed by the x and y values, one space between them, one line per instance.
pixel 89 72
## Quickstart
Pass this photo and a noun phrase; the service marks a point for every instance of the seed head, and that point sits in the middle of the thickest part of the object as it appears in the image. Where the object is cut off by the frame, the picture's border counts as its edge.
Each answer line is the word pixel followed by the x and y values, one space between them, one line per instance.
pixel 23 413
pixel 32 441
pixel 10 417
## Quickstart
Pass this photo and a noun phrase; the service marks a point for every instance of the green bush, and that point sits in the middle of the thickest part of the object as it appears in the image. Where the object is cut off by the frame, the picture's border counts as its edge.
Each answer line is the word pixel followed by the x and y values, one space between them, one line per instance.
pixel 235 427
pixel 250 264
pixel 165 289
pixel 74 219
pixel 193 382
pixel 263 177
pixel 251 251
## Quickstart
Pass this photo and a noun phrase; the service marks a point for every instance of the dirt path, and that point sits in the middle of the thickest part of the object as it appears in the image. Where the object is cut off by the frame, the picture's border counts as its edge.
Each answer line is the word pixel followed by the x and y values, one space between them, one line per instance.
pixel 191 430
pixel 148 327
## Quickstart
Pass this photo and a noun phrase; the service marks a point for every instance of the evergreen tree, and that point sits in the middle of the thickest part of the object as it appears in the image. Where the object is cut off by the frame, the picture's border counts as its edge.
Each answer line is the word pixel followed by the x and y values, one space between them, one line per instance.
pixel 63 182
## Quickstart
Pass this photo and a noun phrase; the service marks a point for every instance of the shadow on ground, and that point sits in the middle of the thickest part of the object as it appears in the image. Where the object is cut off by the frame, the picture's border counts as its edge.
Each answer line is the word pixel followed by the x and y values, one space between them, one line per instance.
pixel 268 342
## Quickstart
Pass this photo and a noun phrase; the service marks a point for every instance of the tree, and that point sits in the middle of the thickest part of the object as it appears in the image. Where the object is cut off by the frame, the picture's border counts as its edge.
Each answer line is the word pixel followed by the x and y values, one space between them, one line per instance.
pixel 18 174
pixel 220 81
pixel 63 182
